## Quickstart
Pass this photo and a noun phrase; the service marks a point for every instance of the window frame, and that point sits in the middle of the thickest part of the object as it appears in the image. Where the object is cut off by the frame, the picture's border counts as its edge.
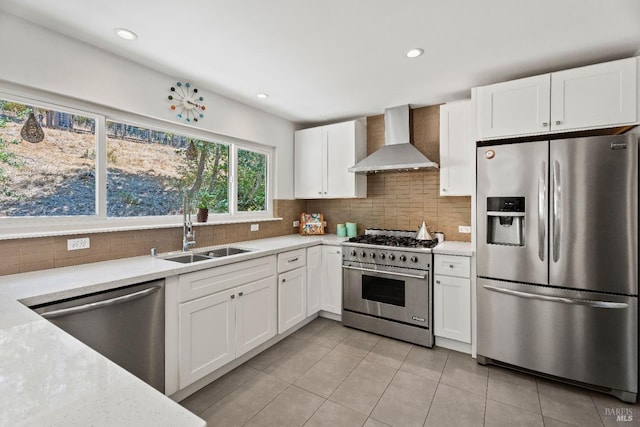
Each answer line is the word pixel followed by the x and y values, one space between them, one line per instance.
pixel 15 227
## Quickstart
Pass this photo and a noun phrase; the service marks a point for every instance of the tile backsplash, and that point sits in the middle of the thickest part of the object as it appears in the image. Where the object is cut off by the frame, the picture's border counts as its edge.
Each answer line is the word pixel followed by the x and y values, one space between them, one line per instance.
pixel 22 255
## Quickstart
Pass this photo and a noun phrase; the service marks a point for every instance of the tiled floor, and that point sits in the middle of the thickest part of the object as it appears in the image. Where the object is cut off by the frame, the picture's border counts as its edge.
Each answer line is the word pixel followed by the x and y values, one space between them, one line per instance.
pixel 329 375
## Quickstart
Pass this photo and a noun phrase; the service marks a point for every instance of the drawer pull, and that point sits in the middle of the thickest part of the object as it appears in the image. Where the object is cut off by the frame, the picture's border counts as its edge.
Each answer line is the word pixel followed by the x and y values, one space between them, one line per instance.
pixel 293 259
pixel 233 296
pixel 240 294
pixel 450 265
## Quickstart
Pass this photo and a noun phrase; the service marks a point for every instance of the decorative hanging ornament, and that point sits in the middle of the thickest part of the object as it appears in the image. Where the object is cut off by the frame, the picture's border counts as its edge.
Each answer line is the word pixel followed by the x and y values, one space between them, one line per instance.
pixel 192 151
pixel 186 102
pixel 31 130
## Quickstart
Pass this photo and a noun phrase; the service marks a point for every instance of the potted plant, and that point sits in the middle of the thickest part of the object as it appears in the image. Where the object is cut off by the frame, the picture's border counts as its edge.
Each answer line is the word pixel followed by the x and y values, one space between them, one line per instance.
pixel 204 199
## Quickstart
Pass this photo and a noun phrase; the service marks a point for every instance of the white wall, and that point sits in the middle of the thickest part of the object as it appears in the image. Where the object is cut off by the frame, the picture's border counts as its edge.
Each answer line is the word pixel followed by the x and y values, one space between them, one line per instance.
pixel 42 59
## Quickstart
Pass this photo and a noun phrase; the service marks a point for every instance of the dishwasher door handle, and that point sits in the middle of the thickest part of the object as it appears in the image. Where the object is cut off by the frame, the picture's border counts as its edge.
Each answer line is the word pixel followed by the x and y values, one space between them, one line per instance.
pixel 99 304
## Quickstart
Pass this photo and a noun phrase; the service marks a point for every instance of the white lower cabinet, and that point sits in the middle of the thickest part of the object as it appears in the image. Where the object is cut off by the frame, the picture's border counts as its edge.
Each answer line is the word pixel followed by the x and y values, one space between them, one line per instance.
pixel 452 298
pixel 292 298
pixel 314 280
pixel 238 314
pixel 332 279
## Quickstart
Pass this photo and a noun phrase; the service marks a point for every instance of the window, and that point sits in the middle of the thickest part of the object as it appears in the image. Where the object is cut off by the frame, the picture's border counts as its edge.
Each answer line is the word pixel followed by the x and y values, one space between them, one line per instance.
pixel 97 168
pixel 54 177
pixel 252 181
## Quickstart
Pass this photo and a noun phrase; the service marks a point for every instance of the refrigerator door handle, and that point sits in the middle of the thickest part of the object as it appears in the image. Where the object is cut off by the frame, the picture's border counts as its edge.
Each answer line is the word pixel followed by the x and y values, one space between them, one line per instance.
pixel 542 209
pixel 557 210
pixel 563 300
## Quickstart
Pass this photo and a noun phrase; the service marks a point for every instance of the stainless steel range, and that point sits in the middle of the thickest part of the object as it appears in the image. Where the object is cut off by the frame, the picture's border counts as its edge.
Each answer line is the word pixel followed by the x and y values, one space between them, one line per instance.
pixel 388 286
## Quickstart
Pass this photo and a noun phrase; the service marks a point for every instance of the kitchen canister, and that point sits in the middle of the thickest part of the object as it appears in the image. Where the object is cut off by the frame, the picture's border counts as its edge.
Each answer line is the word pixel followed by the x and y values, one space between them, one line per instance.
pixel 341 230
pixel 352 229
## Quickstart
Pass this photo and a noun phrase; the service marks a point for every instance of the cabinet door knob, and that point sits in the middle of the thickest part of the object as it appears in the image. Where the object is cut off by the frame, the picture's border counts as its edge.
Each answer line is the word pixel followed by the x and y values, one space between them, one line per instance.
pixel 320 192
pixel 240 294
pixel 558 122
pixel 444 189
pixel 450 265
pixel 438 282
pixel 233 296
pixel 545 124
pixel 284 280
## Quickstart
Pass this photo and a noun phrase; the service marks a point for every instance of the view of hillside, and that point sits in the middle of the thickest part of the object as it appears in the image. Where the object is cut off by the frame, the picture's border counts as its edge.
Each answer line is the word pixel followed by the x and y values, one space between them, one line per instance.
pixel 56 176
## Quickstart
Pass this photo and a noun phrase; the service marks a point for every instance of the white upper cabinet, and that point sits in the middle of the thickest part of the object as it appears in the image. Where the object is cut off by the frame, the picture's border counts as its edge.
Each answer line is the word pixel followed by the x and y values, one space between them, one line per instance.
pixel 600 95
pixel 457 149
pixel 322 156
pixel 518 107
pixel 591 97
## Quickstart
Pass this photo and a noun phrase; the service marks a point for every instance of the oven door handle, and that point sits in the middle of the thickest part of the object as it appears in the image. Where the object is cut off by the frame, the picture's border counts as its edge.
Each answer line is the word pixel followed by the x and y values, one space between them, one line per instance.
pixel 392 273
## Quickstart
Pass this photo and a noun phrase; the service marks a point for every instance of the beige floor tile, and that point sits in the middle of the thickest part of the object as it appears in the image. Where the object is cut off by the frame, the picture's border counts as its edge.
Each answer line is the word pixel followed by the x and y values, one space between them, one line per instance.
pixel 295 363
pixel 331 336
pixel 331 414
pixel 313 327
pixel 275 353
pixel 463 372
pixel 426 362
pixel 362 389
pixel 567 403
pixel 199 402
pixel 406 401
pixel 326 375
pixel 514 389
pixel 550 422
pixel 502 415
pixel 291 408
pixel 241 405
pixel 610 408
pixel 452 407
pixel 389 352
pixel 374 423
pixel 358 343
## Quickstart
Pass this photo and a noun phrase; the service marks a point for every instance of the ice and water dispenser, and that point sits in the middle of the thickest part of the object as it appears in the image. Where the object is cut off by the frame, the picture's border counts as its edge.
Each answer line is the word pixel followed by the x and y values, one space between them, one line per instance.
pixel 505 221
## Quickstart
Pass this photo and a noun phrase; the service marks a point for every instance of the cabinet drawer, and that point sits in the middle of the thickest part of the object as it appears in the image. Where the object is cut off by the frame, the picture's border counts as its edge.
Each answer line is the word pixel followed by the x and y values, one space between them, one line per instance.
pixel 291 260
pixel 216 279
pixel 452 265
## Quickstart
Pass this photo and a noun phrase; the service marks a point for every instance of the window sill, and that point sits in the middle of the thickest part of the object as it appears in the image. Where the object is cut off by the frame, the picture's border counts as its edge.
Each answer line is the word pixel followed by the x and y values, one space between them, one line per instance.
pixel 24 231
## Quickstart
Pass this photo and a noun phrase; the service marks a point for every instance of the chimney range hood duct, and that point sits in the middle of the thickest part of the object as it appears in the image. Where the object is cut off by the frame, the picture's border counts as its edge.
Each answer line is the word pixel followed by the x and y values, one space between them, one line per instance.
pixel 397 153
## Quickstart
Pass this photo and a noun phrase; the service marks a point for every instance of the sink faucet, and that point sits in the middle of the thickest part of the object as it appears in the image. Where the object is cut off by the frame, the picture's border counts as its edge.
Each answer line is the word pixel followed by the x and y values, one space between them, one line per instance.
pixel 188 234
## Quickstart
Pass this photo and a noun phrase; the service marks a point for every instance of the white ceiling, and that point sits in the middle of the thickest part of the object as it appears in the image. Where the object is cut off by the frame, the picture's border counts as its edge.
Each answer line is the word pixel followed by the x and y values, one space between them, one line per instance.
pixel 329 60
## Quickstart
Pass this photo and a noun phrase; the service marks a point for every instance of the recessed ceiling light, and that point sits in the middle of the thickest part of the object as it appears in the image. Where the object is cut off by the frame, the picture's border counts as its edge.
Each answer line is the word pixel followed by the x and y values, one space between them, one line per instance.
pixel 125 34
pixel 262 95
pixel 414 53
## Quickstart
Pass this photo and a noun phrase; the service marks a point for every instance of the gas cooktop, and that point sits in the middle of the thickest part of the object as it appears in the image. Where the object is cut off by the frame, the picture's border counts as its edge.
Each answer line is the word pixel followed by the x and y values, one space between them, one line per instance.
pixel 395 238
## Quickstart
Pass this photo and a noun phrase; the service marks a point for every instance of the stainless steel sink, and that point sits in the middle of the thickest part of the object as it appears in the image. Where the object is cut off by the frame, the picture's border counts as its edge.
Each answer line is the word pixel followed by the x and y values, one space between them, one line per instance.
pixel 189 258
pixel 222 252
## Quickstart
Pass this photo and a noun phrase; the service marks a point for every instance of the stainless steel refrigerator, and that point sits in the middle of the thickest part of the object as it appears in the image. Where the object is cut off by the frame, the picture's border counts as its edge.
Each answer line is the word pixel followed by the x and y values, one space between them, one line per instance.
pixel 557 259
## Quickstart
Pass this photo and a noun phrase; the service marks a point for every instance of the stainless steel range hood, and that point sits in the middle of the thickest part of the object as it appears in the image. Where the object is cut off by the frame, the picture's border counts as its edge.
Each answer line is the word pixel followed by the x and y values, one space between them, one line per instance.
pixel 397 153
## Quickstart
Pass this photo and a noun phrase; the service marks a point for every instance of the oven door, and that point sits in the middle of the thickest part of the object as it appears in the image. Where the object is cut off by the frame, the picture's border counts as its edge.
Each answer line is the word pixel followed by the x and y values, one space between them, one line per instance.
pixel 400 295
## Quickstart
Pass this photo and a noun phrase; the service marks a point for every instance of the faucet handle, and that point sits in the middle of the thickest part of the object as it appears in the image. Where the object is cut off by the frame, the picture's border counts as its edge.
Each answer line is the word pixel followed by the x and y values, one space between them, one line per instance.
pixel 154 251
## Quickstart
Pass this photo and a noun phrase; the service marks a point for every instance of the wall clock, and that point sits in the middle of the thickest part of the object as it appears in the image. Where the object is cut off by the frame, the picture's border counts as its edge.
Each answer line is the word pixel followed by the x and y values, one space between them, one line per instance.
pixel 186 102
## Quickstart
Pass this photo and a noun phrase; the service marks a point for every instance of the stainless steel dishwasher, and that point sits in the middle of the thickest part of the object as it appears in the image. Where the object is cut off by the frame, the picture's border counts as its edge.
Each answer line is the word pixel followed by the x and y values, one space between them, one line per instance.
pixel 126 325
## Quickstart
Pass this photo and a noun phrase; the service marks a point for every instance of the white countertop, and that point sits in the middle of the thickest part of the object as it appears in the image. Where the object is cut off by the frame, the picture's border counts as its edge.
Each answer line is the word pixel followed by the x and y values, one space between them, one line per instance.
pixel 454 248
pixel 48 378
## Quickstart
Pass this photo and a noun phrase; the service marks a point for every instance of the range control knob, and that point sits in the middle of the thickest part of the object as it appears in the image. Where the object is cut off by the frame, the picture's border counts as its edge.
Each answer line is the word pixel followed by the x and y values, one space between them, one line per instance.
pixel 403 258
pixel 363 254
pixel 353 252
pixel 382 256
pixel 372 255
pixel 414 259
pixel 392 257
